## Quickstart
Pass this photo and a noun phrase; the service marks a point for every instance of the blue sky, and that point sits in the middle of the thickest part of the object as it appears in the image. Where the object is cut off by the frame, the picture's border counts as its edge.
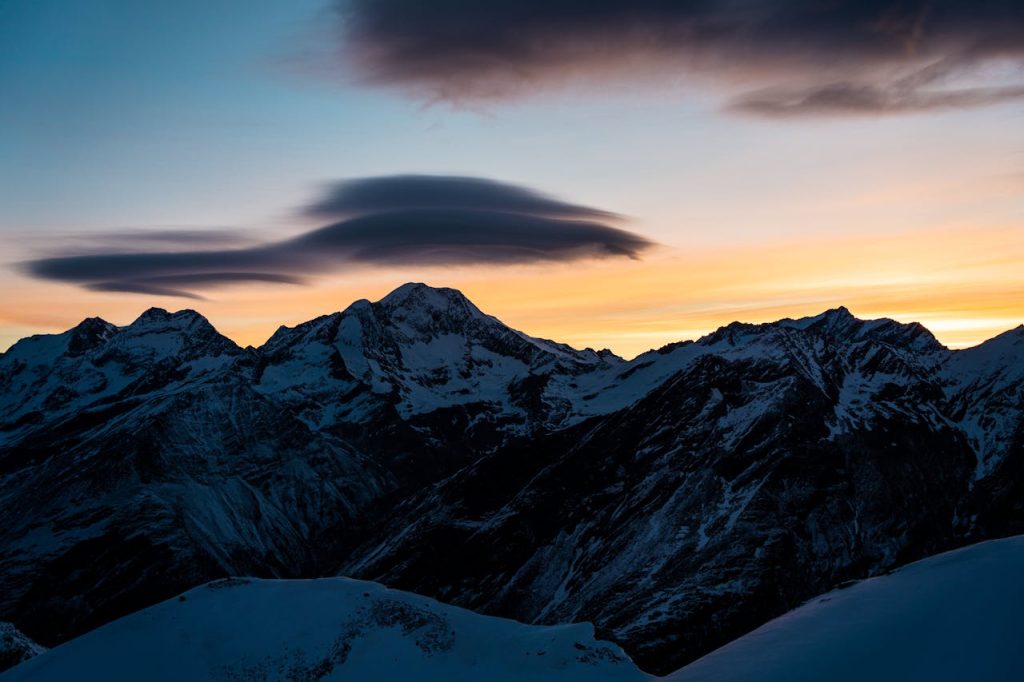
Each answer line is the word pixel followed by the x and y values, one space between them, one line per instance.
pixel 229 114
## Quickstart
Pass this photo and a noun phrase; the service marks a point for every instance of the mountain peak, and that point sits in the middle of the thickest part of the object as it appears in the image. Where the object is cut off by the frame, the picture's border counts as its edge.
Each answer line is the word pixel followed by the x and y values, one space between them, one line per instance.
pixel 838 324
pixel 417 293
pixel 160 315
pixel 92 323
pixel 841 323
pixel 89 333
pixel 840 313
pixel 409 288
pixel 152 314
pixel 173 332
pixel 830 319
pixel 424 305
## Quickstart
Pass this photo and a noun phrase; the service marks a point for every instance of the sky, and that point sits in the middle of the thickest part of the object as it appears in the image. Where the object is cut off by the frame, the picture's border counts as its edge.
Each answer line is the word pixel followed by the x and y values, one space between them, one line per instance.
pixel 607 174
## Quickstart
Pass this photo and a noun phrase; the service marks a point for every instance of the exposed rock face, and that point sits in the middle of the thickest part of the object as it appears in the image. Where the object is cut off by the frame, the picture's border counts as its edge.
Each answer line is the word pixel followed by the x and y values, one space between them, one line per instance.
pixel 676 500
pixel 15 647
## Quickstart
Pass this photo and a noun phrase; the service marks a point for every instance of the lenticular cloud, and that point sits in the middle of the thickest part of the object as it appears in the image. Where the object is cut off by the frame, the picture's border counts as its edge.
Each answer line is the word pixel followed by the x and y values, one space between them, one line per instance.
pixel 395 220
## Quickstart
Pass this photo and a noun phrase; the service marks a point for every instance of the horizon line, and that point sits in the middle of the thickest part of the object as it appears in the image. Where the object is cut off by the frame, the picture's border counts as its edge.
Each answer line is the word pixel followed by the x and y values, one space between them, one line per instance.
pixel 835 309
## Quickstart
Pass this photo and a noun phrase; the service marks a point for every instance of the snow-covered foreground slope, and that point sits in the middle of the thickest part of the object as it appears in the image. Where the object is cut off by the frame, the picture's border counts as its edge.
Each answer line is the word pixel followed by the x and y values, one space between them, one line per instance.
pixel 953 617
pixel 328 629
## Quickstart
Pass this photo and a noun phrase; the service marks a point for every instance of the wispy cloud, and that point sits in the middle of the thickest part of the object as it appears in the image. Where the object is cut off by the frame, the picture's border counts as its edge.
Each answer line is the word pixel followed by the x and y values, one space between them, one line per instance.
pixel 858 98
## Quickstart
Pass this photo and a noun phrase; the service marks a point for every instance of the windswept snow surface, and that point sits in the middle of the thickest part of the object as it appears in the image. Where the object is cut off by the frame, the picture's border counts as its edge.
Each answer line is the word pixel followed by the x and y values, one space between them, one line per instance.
pixel 953 617
pixel 328 629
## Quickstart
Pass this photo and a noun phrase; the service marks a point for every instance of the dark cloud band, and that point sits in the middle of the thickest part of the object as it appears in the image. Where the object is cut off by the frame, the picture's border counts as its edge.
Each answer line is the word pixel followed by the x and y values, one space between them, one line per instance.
pixel 418 192
pixel 797 50
pixel 180 285
pixel 404 220
pixel 443 236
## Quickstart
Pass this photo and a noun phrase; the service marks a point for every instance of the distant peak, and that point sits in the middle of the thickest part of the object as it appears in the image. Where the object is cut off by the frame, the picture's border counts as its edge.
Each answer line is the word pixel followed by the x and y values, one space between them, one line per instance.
pixel 407 289
pixel 829 318
pixel 841 323
pixel 162 316
pixel 838 324
pixel 88 334
pixel 188 314
pixel 153 314
pixel 187 328
pixel 91 324
pixel 425 310
pixel 838 320
pixel 840 312
pixel 419 292
pixel 161 313
pixel 414 296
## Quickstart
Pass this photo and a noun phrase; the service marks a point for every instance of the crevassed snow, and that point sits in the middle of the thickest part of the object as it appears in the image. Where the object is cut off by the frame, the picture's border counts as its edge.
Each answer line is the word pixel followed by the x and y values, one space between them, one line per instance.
pixel 327 629
pixel 954 617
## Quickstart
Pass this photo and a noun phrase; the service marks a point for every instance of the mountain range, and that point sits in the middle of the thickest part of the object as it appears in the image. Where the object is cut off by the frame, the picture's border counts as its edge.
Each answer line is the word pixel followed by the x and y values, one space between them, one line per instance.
pixel 676 500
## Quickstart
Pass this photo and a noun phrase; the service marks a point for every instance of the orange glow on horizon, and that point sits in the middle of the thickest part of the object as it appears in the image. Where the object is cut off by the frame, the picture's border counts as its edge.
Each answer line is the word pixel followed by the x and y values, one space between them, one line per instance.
pixel 964 285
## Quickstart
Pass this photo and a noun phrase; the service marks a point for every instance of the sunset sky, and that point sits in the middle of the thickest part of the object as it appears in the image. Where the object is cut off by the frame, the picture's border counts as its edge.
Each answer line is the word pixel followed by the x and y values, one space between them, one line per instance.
pixel 606 174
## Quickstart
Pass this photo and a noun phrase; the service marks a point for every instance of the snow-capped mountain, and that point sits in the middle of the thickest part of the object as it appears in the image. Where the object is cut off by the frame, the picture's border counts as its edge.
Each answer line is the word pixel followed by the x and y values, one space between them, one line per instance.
pixel 676 500
pixel 327 629
pixel 48 376
pixel 424 356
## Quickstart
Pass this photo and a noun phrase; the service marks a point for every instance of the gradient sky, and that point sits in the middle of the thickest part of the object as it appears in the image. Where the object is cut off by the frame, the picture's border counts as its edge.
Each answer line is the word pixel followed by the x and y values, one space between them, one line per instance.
pixel 121 119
